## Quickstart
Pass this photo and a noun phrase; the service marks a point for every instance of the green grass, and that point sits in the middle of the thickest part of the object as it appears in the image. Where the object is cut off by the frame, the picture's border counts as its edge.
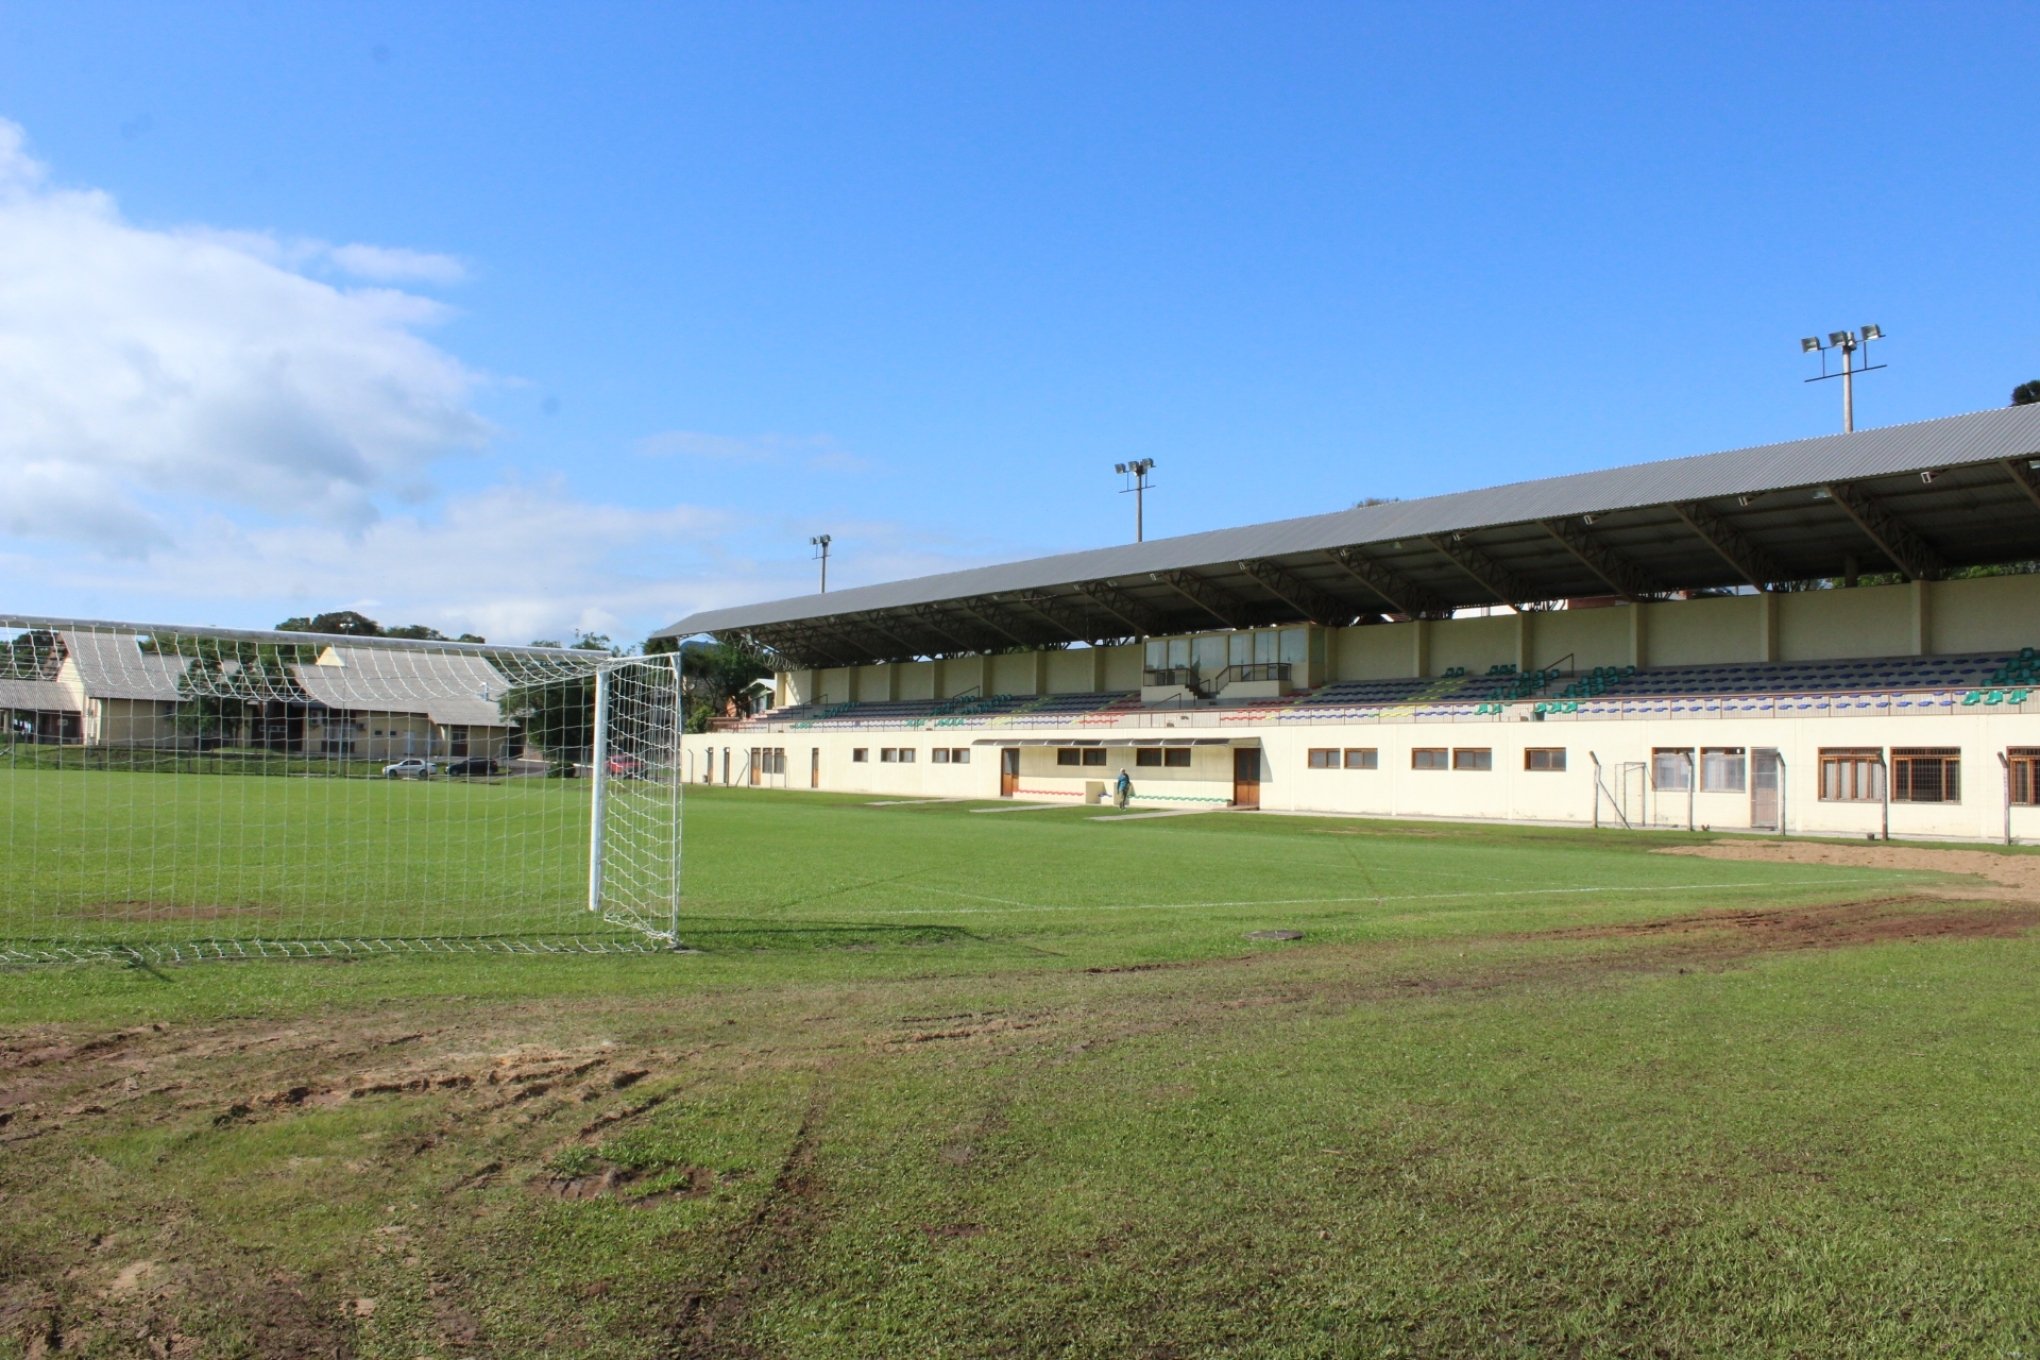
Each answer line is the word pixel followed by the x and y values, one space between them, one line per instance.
pixel 944 1083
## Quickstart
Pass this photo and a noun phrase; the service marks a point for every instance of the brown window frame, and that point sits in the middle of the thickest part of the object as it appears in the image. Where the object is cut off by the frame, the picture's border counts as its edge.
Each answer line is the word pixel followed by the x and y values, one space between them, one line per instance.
pixel 1323 758
pixel 1477 759
pixel 1858 774
pixel 2023 770
pixel 1148 756
pixel 1926 774
pixel 1430 758
pixel 1363 757
pixel 1550 765
pixel 1176 757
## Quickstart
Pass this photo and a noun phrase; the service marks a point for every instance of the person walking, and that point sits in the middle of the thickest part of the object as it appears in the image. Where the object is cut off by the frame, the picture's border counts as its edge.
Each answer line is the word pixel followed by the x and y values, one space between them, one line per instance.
pixel 1122 791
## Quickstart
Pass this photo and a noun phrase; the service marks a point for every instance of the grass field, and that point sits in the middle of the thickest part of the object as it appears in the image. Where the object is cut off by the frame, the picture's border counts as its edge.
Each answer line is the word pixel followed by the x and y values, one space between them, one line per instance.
pixel 949 1082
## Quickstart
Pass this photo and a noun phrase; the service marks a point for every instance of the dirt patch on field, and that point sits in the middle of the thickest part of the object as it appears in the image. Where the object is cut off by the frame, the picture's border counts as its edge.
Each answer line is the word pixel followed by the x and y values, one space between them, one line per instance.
pixel 2014 878
pixel 1825 927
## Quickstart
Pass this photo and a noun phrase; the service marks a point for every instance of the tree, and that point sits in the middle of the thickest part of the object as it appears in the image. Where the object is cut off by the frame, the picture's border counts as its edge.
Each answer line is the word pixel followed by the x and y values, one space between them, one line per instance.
pixel 2027 393
pixel 712 676
pixel 344 622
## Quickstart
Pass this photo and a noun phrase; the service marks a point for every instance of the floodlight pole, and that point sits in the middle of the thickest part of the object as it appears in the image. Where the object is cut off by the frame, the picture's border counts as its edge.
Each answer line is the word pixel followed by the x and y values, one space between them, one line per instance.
pixel 1138 469
pixel 821 545
pixel 1847 342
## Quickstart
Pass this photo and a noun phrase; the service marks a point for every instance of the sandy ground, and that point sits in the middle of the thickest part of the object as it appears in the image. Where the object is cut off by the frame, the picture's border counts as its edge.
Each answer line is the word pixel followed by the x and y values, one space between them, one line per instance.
pixel 2004 878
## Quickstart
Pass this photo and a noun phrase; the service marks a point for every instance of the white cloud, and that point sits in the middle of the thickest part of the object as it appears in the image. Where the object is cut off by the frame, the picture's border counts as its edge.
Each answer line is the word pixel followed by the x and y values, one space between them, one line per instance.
pixel 142 369
pixel 387 264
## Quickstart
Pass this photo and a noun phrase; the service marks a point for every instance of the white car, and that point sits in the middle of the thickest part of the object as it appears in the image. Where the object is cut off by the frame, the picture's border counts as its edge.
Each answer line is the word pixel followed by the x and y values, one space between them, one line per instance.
pixel 411 767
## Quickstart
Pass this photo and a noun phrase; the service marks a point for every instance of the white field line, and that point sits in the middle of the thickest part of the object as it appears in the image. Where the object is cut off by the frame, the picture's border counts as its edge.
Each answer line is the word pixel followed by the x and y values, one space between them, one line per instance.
pixel 1381 899
pixel 1031 807
pixel 910 802
pixel 978 897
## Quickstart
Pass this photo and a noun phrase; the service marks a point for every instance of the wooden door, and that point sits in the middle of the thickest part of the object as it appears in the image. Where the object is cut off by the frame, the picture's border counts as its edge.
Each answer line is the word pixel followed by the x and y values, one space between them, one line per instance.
pixel 755 763
pixel 1009 771
pixel 1246 776
pixel 814 767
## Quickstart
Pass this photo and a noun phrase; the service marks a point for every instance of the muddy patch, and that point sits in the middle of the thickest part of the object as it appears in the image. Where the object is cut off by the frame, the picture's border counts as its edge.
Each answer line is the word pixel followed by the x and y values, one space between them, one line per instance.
pixel 1826 927
pixel 2014 878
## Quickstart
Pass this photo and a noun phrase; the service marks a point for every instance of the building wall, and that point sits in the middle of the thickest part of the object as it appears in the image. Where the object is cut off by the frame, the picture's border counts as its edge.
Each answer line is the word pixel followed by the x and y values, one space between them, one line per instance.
pixel 1823 625
pixel 1505 791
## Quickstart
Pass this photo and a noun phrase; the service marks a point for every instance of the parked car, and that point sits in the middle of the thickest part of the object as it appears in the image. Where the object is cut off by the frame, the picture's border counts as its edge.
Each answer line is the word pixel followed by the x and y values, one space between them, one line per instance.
pixel 410 767
pixel 626 767
pixel 473 765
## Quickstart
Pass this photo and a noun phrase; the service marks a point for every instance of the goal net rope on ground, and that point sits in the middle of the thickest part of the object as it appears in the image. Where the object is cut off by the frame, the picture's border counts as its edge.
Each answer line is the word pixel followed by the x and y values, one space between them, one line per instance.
pixel 186 793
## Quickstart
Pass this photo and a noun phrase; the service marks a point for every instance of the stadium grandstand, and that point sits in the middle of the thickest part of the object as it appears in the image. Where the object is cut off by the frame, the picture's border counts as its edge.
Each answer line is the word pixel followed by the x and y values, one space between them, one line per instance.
pixel 1831 636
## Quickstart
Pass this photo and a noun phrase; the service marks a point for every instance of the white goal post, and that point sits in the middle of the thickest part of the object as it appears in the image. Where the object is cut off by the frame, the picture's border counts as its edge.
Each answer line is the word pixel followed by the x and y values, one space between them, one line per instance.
pixel 171 792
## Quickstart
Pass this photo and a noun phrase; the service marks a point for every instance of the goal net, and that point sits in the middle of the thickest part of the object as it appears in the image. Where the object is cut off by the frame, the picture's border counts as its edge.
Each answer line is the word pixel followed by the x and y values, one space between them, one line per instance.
pixel 191 793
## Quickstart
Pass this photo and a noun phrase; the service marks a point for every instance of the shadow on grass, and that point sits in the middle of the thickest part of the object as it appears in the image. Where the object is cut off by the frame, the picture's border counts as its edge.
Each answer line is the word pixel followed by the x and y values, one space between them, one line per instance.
pixel 809 935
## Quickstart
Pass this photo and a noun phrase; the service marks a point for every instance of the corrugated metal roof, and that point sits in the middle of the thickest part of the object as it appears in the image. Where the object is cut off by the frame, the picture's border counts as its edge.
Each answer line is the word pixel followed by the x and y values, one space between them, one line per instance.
pixel 45 696
pixel 1953 441
pixel 114 666
pixel 450 687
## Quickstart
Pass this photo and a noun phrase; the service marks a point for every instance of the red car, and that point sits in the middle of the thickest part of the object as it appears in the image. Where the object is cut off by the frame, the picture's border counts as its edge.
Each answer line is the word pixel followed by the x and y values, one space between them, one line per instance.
pixel 626 767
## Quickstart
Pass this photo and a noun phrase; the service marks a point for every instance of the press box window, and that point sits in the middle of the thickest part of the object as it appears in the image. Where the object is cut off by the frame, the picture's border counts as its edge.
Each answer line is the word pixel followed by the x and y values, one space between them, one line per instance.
pixel 1723 769
pixel 1926 774
pixel 1429 758
pixel 1324 758
pixel 1549 758
pixel 1671 771
pixel 1362 758
pixel 1473 758
pixel 2024 762
pixel 1851 774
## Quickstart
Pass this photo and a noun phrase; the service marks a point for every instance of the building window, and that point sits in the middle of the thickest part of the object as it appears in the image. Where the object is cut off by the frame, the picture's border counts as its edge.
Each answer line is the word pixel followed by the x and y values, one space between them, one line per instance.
pixel 1851 774
pixel 1324 758
pixel 906 755
pixel 1069 755
pixel 1723 769
pixel 887 755
pixel 1926 774
pixel 1671 770
pixel 1094 755
pixel 1148 755
pixel 939 756
pixel 1550 758
pixel 2025 774
pixel 1362 758
pixel 1177 757
pixel 860 755
pixel 1473 758
pixel 1428 758
pixel 959 755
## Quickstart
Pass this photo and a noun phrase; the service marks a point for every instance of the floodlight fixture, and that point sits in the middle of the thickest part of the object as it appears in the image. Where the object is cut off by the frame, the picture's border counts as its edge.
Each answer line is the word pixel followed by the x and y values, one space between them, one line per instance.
pixel 1848 342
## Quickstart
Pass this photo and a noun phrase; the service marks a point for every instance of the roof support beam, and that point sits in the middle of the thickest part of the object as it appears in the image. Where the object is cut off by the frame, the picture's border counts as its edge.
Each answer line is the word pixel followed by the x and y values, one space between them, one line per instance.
pixel 1285 585
pixel 1403 595
pixel 1487 573
pixel 932 618
pixel 1750 561
pixel 1122 606
pixel 1054 611
pixel 1625 578
pixel 1221 605
pixel 2021 471
pixel 995 619
pixel 1895 538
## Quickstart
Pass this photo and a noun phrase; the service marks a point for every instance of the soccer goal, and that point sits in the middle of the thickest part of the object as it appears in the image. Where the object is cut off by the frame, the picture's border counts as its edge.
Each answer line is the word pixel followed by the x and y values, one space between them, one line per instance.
pixel 192 793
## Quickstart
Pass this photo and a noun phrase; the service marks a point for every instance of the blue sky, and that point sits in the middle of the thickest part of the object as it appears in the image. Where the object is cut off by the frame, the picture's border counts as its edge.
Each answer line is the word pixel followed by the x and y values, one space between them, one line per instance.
pixel 526 319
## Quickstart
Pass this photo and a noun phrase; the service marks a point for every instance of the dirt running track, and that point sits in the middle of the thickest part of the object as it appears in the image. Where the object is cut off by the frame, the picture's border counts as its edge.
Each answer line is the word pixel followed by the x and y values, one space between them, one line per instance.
pixel 2005 878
